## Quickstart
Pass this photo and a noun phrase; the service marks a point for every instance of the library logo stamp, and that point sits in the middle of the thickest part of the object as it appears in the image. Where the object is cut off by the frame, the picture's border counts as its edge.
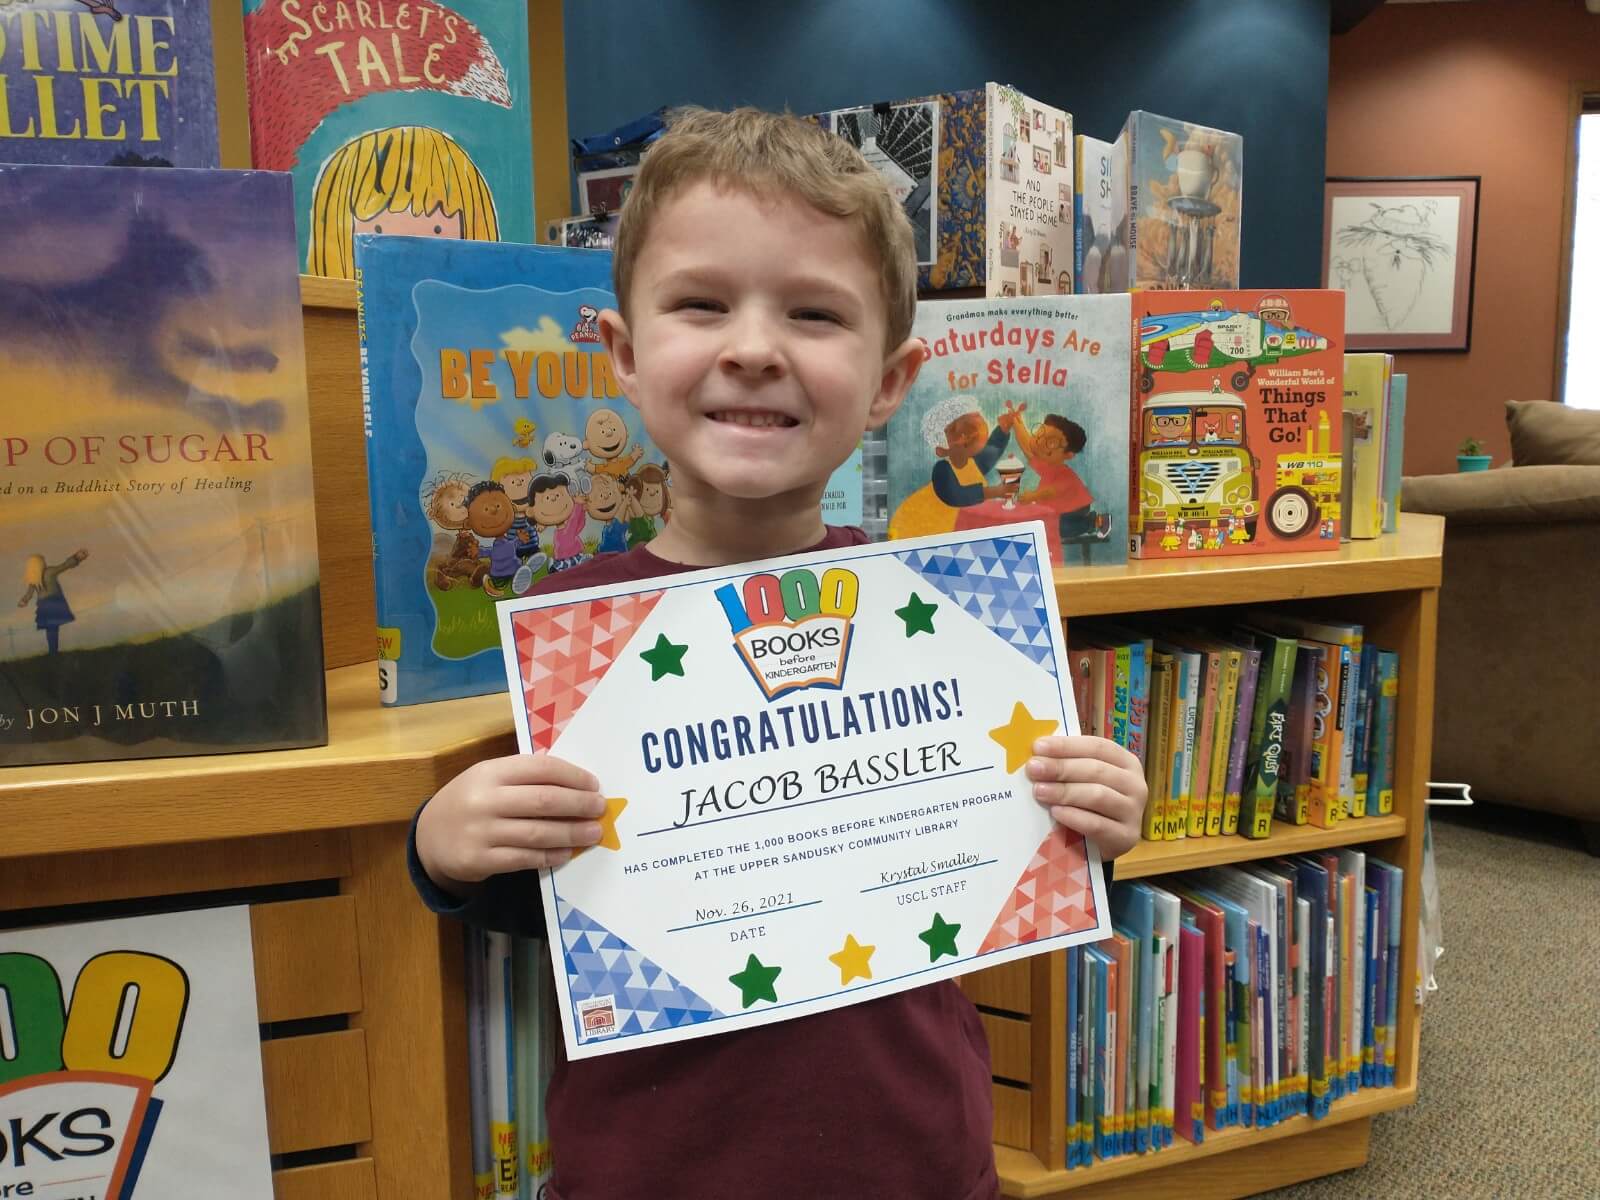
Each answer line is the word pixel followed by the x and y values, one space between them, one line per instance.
pixel 598 1017
pixel 792 631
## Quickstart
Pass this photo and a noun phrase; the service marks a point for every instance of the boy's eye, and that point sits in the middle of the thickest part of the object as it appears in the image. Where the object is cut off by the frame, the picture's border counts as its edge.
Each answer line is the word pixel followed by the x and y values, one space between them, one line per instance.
pixel 699 304
pixel 816 314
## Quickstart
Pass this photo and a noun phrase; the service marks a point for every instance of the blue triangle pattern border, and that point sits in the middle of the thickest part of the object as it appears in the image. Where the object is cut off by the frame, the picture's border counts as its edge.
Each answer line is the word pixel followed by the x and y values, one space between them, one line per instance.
pixel 997 580
pixel 600 964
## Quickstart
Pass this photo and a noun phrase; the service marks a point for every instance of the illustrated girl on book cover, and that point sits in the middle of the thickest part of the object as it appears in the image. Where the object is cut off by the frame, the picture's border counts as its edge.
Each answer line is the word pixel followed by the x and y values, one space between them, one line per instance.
pixel 406 180
pixel 43 586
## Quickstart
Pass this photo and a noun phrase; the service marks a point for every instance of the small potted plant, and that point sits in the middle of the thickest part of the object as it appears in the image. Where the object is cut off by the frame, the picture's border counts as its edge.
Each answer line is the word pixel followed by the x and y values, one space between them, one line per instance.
pixel 1471 456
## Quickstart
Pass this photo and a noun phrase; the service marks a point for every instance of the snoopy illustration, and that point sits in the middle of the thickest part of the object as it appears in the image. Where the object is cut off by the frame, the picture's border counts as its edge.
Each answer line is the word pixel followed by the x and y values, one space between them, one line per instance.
pixel 561 453
pixel 588 327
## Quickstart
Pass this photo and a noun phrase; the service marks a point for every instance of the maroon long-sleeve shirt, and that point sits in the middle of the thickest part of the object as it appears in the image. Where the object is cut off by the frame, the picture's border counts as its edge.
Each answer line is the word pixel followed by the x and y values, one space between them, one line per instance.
pixel 885 1100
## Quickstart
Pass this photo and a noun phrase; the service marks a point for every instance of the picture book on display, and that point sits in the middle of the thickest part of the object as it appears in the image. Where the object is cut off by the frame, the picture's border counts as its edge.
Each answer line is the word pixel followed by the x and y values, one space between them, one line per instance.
pixel 1185 194
pixel 986 177
pixel 500 447
pixel 1237 403
pixel 157 531
pixel 407 119
pixel 128 83
pixel 1019 414
pixel 1100 224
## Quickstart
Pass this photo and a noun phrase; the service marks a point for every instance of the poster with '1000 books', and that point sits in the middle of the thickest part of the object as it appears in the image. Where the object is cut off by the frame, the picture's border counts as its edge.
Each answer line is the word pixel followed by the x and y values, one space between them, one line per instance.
pixel 132 1061
pixel 157 526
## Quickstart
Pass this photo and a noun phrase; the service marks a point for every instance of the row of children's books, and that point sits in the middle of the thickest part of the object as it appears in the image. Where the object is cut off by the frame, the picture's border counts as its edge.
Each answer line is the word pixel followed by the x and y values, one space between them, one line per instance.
pixel 1237 996
pixel 512 1042
pixel 1272 715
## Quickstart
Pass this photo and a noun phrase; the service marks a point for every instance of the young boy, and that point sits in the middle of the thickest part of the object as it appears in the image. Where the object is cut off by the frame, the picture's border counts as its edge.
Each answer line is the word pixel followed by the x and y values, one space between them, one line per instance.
pixel 766 282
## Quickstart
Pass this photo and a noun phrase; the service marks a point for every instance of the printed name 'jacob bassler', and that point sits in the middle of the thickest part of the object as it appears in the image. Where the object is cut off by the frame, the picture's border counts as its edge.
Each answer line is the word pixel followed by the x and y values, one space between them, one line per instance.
pixel 105 714
pixel 865 772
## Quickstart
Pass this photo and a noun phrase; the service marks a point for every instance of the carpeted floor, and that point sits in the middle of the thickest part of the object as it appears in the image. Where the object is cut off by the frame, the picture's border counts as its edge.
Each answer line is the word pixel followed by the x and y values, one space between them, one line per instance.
pixel 1509 1096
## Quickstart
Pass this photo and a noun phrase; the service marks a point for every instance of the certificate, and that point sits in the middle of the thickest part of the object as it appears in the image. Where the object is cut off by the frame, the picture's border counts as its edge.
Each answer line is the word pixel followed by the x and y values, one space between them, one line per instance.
pixel 814 776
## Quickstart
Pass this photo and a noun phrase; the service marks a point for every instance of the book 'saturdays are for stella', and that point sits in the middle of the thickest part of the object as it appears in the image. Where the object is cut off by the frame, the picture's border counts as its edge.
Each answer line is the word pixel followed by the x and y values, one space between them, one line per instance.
pixel 157 532
pixel 1020 413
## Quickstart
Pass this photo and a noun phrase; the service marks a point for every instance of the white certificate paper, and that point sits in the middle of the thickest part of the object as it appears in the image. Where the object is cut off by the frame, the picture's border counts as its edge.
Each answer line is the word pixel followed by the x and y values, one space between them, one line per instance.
pixel 814 769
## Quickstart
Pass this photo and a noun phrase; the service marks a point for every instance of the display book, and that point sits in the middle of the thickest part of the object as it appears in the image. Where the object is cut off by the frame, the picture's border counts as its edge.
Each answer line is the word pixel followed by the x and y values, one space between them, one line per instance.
pixel 131 83
pixel 512 1043
pixel 500 448
pixel 1268 715
pixel 1236 423
pixel 1185 185
pixel 1020 413
pixel 1011 236
pixel 155 464
pixel 1100 216
pixel 408 119
pixel 1233 997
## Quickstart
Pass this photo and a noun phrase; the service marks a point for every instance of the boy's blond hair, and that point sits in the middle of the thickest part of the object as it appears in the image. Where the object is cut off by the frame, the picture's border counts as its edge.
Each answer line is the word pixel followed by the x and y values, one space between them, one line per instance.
pixel 773 153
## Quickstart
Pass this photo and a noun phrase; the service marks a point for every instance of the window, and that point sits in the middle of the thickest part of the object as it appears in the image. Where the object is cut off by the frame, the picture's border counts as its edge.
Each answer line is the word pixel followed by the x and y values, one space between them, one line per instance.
pixel 1581 372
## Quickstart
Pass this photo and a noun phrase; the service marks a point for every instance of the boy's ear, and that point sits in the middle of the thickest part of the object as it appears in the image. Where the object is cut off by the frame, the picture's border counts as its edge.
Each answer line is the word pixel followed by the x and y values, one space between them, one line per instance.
pixel 618 342
pixel 900 371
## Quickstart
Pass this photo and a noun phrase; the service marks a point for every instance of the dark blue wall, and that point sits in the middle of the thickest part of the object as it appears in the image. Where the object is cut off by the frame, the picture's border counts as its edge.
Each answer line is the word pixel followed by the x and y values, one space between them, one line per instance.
pixel 1257 67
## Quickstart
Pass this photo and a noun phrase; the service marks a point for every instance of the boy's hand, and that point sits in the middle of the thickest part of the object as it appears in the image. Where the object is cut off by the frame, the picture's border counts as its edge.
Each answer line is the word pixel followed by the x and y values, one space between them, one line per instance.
pixel 507 814
pixel 1092 786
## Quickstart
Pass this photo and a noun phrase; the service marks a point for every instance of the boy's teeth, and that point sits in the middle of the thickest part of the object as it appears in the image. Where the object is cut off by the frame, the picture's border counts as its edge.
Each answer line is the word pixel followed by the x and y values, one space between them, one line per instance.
pixel 755 419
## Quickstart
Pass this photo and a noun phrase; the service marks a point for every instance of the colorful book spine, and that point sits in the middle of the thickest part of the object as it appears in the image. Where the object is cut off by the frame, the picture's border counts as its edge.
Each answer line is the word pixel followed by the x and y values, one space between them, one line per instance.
pixel 1366 386
pixel 1074 954
pixel 1158 762
pixel 1139 698
pixel 1188 1096
pixel 1186 704
pixel 477 955
pixel 500 992
pixel 535 1057
pixel 1205 733
pixel 1381 778
pixel 1269 724
pixel 1393 452
pixel 1249 673
pixel 1370 1024
pixel 1364 695
pixel 1121 676
pixel 1222 740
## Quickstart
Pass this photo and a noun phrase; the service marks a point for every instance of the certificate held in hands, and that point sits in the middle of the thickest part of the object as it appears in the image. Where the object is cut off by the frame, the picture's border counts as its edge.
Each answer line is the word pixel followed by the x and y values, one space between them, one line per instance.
pixel 814 773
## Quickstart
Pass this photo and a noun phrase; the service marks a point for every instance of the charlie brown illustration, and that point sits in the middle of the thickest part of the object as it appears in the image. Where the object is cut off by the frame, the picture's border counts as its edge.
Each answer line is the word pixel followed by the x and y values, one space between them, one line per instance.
pixel 605 437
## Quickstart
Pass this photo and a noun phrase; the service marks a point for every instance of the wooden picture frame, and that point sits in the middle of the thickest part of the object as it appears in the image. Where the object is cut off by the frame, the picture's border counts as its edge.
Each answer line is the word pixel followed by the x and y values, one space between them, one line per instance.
pixel 1404 251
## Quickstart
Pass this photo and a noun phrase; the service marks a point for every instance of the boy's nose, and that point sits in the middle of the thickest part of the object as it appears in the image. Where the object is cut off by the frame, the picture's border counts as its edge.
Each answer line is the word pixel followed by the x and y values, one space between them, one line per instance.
pixel 752 348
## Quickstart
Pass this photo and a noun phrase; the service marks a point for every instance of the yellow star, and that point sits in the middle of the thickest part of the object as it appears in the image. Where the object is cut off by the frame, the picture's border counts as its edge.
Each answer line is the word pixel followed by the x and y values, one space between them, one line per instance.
pixel 1018 735
pixel 852 960
pixel 608 826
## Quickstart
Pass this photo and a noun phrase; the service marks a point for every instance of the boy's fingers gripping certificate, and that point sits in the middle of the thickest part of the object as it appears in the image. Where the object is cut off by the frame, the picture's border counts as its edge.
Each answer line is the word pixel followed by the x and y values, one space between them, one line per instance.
pixel 815 779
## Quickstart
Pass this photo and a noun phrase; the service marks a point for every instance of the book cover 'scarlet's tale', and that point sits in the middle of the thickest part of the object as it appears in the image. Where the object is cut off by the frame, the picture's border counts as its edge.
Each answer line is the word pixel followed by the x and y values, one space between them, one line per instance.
pixel 393 118
pixel 157 526
pixel 1236 409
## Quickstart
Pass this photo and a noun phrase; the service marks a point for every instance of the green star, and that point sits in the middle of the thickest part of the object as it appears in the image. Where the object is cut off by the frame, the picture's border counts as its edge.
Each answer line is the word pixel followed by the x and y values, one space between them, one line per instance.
pixel 917 614
pixel 941 938
pixel 665 658
pixel 755 981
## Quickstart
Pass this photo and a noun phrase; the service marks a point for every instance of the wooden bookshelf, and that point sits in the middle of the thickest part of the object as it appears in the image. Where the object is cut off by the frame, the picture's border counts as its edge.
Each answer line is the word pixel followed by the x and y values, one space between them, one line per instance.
pixel 1390 585
pixel 372 1100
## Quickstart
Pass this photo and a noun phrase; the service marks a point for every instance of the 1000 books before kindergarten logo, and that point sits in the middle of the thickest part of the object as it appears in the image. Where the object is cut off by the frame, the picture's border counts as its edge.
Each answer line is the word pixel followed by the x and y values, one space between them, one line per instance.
pixel 129 1061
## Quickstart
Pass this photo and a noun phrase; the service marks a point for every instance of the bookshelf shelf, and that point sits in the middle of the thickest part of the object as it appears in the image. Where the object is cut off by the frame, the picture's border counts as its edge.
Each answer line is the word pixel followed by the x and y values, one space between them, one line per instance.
pixel 1188 854
pixel 1390 585
pixel 377 765
pixel 1025 1177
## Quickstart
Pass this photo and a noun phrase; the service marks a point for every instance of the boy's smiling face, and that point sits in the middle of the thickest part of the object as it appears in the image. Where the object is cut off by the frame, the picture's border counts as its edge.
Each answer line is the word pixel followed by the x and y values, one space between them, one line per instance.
pixel 754 349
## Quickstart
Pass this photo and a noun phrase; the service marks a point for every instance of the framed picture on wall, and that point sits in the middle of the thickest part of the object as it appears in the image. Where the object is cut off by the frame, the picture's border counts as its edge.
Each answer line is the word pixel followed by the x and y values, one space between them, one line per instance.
pixel 1403 251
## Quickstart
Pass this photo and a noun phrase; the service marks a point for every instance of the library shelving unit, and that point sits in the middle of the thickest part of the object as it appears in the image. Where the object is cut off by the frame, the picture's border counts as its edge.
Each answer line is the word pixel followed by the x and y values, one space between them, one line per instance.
pixel 360 991
pixel 1390 585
